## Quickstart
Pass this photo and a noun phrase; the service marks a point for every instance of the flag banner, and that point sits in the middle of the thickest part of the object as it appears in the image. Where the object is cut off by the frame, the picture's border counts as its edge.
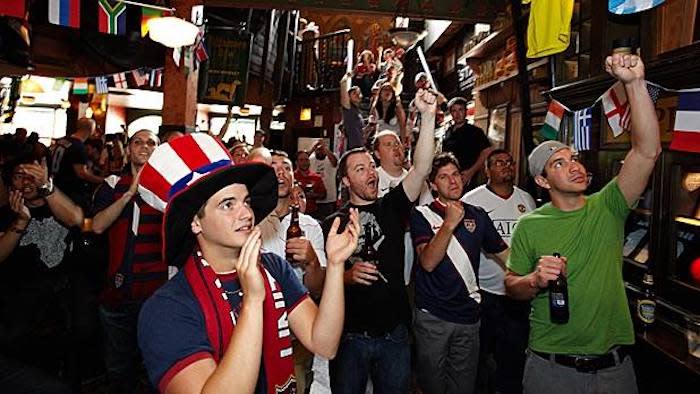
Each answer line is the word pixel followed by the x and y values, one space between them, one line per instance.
pixel 622 7
pixel 111 18
pixel 120 81
pixel 101 86
pixel 655 91
pixel 582 129
pixel 80 86
pixel 200 51
pixel 616 108
pixel 177 55
pixel 140 76
pixel 65 13
pixel 14 8
pixel 552 121
pixel 686 130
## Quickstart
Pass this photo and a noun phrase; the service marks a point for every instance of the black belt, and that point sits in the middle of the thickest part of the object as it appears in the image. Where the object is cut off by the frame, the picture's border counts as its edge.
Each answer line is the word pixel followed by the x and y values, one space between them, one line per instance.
pixel 589 364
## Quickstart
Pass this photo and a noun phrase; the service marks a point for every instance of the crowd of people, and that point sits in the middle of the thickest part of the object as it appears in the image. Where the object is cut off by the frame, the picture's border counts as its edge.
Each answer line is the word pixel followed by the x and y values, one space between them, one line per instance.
pixel 173 253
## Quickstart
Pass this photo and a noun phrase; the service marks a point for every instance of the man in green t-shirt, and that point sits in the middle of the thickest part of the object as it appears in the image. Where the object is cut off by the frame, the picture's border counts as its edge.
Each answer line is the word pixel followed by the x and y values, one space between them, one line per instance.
pixel 588 353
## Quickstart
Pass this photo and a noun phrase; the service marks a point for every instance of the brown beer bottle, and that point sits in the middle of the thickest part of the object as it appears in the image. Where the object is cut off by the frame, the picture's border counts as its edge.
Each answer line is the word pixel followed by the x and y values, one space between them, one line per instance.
pixel 294 230
pixel 558 298
pixel 646 304
pixel 369 253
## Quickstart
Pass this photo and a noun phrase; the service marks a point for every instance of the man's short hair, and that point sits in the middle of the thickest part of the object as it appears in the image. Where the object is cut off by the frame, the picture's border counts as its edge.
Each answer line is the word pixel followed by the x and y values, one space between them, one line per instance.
pixel 343 162
pixel 385 132
pixel 457 100
pixel 153 134
pixel 494 153
pixel 440 161
pixel 283 154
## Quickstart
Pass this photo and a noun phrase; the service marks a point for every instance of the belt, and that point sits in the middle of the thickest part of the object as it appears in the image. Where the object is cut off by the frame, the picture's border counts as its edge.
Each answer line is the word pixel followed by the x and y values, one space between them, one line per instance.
pixel 588 364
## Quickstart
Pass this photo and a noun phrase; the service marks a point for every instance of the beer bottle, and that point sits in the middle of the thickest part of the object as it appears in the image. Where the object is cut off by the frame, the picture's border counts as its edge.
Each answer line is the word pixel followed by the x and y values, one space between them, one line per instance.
pixel 558 299
pixel 369 253
pixel 294 230
pixel 646 303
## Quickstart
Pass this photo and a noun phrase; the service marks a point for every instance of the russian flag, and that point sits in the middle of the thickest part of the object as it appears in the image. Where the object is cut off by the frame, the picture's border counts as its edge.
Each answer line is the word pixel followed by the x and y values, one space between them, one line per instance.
pixel 111 19
pixel 65 13
pixel 686 131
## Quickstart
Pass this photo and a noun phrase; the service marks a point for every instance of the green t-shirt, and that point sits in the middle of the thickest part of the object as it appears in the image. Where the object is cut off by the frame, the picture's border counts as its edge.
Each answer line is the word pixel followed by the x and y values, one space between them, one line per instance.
pixel 591 238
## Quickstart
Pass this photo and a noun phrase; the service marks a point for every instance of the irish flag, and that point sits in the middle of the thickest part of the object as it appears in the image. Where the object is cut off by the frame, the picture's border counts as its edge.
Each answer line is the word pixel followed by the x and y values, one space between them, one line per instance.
pixel 686 131
pixel 555 113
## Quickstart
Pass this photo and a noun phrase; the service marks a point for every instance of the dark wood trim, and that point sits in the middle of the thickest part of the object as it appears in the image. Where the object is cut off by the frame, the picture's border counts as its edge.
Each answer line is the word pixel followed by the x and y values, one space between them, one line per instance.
pixel 519 27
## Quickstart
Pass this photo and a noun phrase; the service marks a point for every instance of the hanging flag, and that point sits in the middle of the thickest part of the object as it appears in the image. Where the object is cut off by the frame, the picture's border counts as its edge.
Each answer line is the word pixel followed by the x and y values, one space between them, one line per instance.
pixel 616 108
pixel 552 121
pixel 140 76
pixel 65 13
pixel 148 14
pixel 686 130
pixel 101 85
pixel 14 8
pixel 120 80
pixel 156 78
pixel 80 86
pixel 622 7
pixel 200 51
pixel 654 91
pixel 111 18
pixel 582 129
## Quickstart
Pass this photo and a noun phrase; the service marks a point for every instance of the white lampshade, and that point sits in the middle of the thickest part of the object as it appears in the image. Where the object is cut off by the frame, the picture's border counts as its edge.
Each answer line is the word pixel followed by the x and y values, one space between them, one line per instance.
pixel 172 31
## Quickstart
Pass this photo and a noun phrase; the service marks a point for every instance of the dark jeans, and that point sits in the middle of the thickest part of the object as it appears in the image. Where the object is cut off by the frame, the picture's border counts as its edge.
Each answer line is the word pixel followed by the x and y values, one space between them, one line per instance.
pixel 122 355
pixel 386 358
pixel 504 335
pixel 19 378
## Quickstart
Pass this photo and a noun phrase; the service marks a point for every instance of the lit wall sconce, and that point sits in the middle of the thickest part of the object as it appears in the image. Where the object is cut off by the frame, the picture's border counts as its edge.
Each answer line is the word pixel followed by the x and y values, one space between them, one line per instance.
pixel 305 114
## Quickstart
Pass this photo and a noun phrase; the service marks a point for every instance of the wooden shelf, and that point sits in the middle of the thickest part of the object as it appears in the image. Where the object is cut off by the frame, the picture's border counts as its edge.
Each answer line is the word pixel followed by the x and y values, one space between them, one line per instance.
pixel 495 82
pixel 488 45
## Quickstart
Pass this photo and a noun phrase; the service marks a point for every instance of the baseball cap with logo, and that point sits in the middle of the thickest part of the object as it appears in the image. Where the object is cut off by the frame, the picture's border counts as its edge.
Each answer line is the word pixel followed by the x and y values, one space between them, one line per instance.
pixel 542 152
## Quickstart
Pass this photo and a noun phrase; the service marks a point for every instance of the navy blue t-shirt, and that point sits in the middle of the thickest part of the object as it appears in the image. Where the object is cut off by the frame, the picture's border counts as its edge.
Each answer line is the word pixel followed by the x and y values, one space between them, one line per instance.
pixel 443 292
pixel 171 329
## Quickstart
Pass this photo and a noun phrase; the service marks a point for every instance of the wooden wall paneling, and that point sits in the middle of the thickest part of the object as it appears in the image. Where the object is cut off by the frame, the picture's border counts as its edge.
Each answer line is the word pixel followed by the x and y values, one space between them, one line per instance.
pixel 675 24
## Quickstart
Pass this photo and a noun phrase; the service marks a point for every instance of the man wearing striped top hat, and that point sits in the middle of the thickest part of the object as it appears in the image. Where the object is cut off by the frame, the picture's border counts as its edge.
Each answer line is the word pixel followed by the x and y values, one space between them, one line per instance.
pixel 224 320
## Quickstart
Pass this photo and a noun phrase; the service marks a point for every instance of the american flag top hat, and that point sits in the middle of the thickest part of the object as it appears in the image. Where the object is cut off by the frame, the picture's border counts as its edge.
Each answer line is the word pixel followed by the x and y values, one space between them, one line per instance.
pixel 181 175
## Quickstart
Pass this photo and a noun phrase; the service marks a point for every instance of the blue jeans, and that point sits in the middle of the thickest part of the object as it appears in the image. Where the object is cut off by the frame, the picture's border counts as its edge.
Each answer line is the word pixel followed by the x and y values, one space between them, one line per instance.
pixel 122 355
pixel 386 358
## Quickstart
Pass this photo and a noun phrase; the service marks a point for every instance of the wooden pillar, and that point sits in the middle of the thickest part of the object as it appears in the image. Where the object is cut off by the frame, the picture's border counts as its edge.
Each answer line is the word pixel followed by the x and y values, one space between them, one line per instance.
pixel 179 89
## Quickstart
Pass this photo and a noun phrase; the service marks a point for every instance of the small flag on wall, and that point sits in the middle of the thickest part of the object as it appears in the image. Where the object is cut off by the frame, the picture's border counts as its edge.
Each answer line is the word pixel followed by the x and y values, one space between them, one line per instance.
pixel 65 13
pixel 101 85
pixel 14 8
pixel 140 76
pixel 80 86
pixel 148 14
pixel 616 108
pixel 582 129
pixel 155 79
pixel 111 18
pixel 120 81
pixel 686 130
pixel 555 112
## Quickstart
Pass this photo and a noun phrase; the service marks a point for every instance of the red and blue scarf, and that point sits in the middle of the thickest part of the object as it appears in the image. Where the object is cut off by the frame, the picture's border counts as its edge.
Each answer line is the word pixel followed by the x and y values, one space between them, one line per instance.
pixel 220 322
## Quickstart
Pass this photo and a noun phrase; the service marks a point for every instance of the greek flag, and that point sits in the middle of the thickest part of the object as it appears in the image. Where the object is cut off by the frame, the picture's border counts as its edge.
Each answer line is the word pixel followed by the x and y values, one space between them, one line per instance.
pixel 101 85
pixel 582 129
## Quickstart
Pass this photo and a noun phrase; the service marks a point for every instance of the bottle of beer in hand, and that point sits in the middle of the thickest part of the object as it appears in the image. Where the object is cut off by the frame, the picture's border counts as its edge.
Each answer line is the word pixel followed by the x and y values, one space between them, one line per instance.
pixel 294 230
pixel 558 299
pixel 646 303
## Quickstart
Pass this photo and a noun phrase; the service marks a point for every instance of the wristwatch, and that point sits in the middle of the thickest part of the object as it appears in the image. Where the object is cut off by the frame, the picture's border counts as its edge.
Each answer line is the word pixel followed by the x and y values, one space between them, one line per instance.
pixel 47 188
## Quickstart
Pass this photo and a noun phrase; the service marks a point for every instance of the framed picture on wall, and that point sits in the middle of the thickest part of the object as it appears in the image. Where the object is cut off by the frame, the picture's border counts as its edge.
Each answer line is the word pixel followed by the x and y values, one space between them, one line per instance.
pixel 498 126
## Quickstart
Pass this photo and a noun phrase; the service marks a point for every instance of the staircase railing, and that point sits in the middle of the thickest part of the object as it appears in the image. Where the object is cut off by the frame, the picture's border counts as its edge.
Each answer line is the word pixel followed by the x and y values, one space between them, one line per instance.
pixel 321 61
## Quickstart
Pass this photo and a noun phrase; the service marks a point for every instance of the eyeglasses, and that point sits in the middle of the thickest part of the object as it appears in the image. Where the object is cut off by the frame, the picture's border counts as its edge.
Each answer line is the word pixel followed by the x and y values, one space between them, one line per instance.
pixel 503 163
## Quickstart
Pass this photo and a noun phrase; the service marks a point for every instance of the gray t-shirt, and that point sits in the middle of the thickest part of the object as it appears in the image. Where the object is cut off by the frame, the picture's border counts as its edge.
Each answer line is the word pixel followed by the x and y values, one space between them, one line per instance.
pixel 353 123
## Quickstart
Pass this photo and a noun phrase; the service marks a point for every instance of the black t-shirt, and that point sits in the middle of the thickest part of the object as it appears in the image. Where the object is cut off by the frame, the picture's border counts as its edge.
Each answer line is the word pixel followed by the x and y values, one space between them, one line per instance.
pixel 32 280
pixel 380 307
pixel 68 152
pixel 466 143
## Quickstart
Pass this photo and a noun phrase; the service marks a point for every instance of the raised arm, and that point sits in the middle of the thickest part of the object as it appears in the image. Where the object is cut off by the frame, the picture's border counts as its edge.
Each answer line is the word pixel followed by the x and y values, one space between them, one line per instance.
pixel 104 218
pixel 644 129
pixel 344 86
pixel 425 147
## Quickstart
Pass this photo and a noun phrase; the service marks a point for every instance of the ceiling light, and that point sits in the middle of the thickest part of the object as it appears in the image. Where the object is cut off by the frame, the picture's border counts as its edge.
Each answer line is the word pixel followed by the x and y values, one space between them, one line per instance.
pixel 406 37
pixel 172 32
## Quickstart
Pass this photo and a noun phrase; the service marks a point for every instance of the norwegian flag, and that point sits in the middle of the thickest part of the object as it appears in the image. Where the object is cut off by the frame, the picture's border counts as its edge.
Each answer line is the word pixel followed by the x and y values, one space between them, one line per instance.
pixel 200 51
pixel 140 76
pixel 617 108
pixel 120 80
pixel 101 85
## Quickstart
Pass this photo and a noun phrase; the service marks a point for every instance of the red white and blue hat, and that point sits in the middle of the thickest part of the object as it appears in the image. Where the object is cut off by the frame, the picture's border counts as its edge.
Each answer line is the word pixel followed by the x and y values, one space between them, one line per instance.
pixel 181 175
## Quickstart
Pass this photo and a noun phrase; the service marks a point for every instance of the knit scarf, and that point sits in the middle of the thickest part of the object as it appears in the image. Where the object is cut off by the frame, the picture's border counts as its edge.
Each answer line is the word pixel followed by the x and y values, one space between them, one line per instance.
pixel 220 322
